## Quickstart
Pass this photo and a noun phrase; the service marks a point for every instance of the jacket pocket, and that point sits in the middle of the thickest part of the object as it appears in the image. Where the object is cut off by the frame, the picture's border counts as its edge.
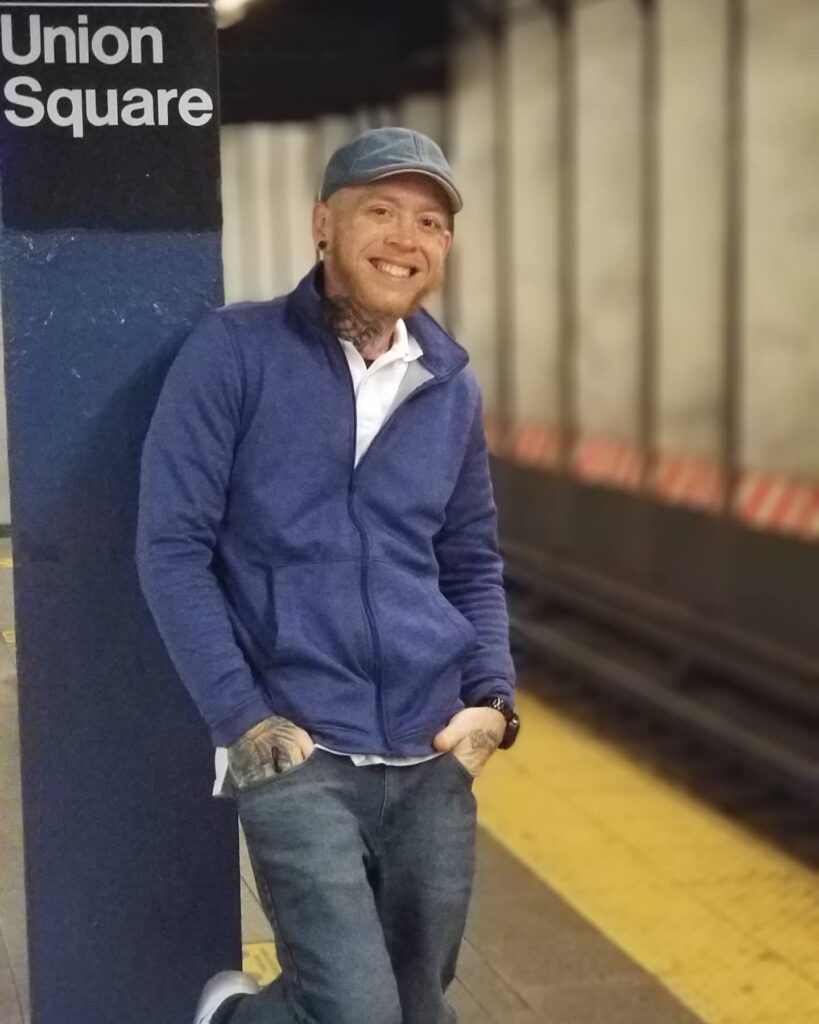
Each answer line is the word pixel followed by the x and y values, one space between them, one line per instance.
pixel 424 642
pixel 321 676
pixel 251 609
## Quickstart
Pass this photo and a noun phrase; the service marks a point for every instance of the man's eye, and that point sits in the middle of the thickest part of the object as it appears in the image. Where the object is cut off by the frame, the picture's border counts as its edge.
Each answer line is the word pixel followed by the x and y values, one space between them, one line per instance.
pixel 380 210
pixel 431 223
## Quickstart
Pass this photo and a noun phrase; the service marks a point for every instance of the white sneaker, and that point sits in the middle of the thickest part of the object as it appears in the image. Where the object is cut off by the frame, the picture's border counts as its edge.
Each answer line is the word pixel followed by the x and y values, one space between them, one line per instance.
pixel 221 987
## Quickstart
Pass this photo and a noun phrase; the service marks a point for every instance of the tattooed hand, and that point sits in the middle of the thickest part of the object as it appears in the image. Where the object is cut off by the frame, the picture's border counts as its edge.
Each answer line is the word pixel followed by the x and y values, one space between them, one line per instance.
pixel 269 748
pixel 473 736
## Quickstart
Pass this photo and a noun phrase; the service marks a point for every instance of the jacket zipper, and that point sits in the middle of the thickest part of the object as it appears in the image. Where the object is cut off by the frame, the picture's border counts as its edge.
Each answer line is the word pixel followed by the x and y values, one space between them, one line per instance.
pixel 388 422
pixel 365 548
pixel 365 558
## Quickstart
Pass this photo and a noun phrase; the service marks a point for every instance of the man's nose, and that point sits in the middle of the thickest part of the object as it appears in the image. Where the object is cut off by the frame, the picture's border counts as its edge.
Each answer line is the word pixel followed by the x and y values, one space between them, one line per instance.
pixel 402 234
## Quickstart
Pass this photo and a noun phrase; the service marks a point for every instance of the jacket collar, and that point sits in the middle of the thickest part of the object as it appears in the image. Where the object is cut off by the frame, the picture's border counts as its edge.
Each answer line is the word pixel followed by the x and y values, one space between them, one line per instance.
pixel 443 356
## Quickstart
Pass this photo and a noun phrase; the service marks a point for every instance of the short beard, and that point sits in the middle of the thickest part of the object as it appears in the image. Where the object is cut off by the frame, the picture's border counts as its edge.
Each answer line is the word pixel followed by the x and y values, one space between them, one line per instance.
pixel 350 321
pixel 351 314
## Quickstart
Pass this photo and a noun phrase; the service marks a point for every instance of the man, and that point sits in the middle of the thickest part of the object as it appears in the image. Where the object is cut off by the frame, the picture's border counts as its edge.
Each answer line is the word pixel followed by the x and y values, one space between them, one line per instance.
pixel 317 542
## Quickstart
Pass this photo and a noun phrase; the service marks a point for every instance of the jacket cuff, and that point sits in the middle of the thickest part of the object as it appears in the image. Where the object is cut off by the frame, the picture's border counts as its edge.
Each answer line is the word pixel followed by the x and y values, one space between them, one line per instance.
pixel 472 695
pixel 229 729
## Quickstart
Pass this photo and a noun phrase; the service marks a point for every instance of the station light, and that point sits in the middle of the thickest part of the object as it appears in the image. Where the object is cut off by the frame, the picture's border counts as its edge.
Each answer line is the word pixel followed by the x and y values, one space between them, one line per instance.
pixel 228 12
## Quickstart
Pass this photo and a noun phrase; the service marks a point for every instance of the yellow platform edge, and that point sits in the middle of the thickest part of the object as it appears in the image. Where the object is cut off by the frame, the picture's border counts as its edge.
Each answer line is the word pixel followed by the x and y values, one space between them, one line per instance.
pixel 726 922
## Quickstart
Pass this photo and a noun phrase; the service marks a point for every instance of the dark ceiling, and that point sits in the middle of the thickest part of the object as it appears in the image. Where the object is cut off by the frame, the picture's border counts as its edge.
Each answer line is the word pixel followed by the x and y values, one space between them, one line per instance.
pixel 294 59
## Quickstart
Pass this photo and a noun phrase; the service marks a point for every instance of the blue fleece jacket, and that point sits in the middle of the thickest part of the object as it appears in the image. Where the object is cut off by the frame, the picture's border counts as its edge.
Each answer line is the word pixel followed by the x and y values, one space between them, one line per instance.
pixel 363 603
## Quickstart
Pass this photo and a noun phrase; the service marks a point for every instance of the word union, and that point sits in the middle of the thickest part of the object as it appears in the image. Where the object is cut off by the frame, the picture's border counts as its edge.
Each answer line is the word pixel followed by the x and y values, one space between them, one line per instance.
pixel 55 44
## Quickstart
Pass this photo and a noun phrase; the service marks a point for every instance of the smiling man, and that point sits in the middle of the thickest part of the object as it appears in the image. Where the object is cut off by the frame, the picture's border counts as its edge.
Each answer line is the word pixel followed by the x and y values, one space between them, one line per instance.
pixel 318 545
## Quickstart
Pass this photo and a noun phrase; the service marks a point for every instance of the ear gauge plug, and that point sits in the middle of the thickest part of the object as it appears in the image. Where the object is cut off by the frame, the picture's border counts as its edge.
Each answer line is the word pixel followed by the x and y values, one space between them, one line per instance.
pixel 322 245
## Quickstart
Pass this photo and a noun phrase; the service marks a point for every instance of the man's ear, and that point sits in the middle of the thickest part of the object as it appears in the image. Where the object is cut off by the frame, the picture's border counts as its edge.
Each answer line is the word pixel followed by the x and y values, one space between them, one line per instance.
pixel 321 218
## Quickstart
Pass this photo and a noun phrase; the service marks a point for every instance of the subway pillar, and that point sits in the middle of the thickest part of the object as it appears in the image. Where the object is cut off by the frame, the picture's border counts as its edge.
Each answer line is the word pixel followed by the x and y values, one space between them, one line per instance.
pixel 109 253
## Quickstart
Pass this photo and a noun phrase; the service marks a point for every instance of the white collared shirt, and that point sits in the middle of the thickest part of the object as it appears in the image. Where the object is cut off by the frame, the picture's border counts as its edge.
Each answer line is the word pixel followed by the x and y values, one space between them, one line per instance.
pixel 375 388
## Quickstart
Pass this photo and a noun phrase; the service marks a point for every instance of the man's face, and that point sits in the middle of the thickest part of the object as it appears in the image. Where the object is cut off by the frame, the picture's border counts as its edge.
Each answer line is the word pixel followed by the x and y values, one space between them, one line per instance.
pixel 386 242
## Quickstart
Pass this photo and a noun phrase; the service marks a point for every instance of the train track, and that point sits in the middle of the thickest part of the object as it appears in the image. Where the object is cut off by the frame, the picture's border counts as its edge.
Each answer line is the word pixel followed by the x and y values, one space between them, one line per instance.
pixel 738 696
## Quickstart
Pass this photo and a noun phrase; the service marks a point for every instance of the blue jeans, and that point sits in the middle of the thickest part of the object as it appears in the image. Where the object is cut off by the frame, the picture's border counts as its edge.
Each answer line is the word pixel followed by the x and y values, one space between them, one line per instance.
pixel 365 874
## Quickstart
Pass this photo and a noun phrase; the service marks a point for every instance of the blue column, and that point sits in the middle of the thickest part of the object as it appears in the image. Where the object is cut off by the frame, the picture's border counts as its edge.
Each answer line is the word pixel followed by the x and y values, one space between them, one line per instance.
pixel 109 253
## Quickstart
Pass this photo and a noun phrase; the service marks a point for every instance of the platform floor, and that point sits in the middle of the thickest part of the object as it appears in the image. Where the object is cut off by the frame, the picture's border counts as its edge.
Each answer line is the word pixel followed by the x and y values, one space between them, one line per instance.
pixel 605 893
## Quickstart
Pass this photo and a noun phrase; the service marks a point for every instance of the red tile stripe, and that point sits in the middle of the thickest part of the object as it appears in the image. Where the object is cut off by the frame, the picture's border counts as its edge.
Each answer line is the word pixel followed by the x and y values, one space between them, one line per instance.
pixel 765 501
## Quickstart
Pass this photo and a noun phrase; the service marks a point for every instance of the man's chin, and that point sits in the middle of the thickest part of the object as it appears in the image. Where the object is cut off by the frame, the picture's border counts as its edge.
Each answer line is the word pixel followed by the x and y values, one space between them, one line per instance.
pixel 393 303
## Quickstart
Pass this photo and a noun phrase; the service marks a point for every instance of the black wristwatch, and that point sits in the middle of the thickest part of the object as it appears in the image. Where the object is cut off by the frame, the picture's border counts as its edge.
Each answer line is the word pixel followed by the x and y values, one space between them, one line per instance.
pixel 511 716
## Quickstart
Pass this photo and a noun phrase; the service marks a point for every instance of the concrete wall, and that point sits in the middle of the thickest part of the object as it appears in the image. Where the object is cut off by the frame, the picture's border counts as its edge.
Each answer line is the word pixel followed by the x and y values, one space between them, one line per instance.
pixel 474 260
pixel 692 239
pixel 533 165
pixel 268 186
pixel 781 297
pixel 778 378
pixel 608 217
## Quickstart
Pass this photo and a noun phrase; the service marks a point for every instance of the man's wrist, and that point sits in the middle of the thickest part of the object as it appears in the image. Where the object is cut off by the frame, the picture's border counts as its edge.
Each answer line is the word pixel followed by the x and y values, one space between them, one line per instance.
pixel 512 719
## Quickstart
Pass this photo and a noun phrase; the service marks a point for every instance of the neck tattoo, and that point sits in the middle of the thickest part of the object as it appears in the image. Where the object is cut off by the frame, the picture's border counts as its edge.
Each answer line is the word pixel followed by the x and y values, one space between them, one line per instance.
pixel 351 322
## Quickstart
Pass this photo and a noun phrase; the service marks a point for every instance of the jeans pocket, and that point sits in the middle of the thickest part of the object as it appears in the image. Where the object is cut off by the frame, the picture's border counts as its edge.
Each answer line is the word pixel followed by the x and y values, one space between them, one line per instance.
pixel 461 767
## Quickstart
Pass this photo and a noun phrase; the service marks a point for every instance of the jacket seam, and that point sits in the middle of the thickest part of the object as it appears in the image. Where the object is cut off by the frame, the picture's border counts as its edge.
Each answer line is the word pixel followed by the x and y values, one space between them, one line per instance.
pixel 314 561
pixel 403 568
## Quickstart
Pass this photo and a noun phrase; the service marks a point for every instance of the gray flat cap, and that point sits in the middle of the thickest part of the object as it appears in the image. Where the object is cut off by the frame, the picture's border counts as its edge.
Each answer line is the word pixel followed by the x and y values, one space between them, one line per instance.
pixel 382 152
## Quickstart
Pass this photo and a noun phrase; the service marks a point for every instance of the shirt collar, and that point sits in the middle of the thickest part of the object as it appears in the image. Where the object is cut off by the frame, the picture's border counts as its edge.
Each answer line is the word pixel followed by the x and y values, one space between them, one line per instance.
pixel 404 346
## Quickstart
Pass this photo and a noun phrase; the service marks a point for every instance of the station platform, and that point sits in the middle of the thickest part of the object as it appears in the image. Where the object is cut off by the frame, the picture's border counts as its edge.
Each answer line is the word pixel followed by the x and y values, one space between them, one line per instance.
pixel 606 891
